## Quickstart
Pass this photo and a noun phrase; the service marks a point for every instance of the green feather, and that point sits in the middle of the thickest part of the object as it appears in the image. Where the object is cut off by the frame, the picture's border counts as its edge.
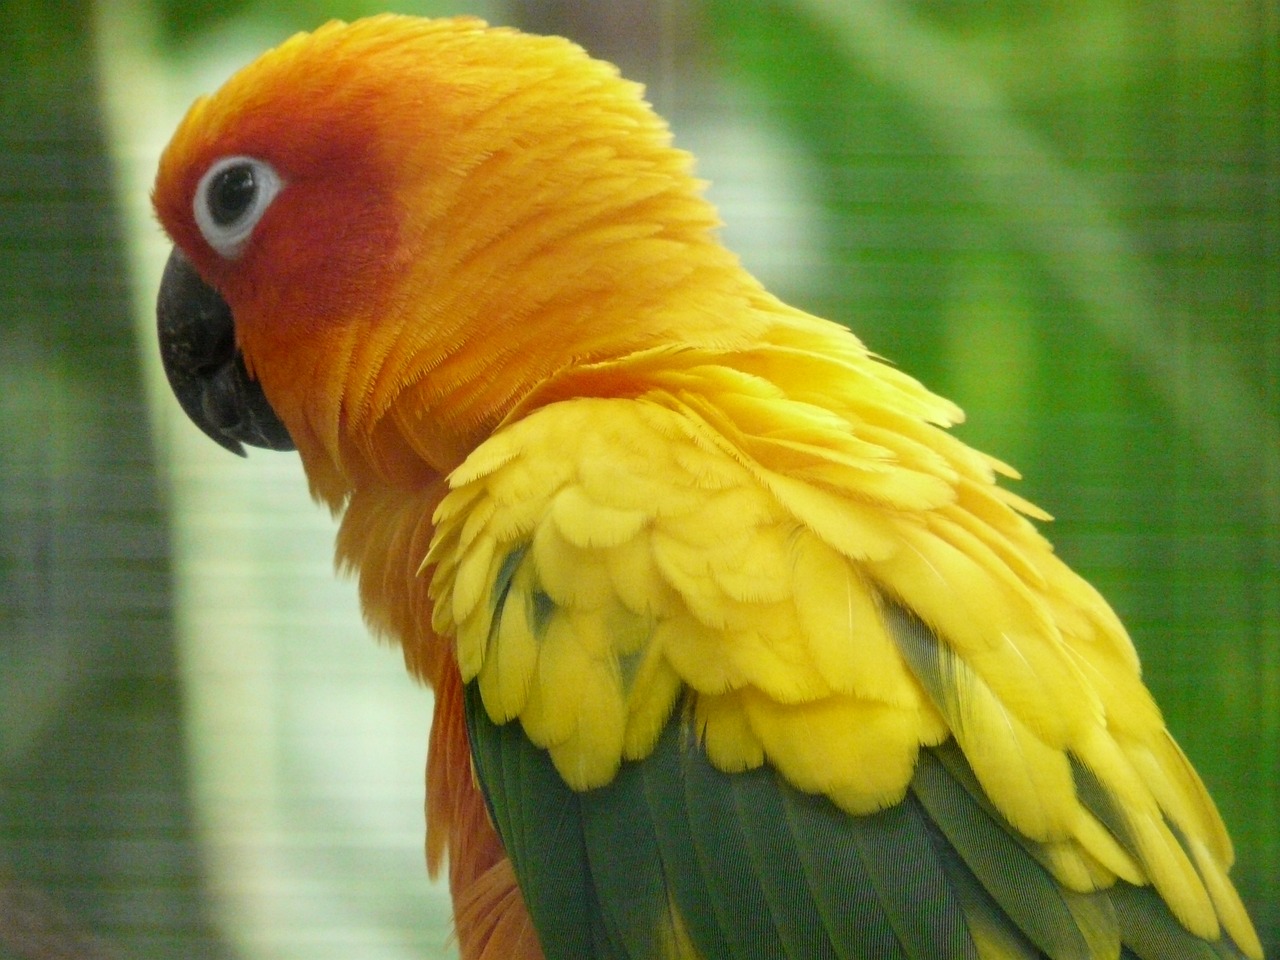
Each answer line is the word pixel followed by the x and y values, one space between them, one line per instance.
pixel 985 919
pixel 686 875
pixel 1062 924
pixel 772 846
pixel 538 820
pixel 898 849
pixel 626 865
pixel 1153 928
pixel 733 885
pixel 1025 891
pixel 839 879
pixel 753 867
pixel 502 582
pixel 1151 932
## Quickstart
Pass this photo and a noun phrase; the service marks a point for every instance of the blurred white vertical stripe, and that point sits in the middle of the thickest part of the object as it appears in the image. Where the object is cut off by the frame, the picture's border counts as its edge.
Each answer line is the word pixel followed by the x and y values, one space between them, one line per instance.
pixel 307 740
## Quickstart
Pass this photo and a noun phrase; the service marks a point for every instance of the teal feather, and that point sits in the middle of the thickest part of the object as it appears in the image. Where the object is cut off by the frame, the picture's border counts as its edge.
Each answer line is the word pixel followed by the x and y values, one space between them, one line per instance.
pixel 1150 932
pixel 1030 898
pixel 840 883
pixel 763 815
pixel 537 817
pixel 687 874
pixel 897 847
pixel 626 865
pixel 737 895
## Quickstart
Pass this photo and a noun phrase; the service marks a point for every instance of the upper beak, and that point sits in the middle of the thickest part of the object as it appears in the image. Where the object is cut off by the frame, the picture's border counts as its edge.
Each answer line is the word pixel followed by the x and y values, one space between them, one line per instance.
pixel 205 367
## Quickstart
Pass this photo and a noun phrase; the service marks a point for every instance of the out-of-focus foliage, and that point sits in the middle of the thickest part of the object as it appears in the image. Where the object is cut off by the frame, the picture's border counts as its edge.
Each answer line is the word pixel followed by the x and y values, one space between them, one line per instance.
pixel 180 22
pixel 1065 216
pixel 94 829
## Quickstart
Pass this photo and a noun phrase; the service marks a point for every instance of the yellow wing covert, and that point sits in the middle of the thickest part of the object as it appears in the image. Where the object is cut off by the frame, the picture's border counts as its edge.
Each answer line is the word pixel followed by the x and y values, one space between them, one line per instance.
pixel 822 593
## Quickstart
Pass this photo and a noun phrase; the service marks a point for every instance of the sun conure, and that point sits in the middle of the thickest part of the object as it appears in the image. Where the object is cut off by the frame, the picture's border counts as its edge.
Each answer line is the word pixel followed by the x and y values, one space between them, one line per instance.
pixel 737 651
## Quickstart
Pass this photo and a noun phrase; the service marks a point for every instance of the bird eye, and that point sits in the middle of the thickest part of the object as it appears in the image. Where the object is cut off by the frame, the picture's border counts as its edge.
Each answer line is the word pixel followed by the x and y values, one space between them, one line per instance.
pixel 231 198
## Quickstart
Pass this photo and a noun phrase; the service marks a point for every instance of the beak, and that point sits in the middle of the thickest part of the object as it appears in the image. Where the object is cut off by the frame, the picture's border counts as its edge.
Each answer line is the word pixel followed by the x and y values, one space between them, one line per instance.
pixel 205 368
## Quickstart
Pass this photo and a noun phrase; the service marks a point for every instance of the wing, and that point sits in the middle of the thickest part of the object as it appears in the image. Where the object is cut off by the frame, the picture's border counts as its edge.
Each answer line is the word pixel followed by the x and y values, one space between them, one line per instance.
pixel 749 675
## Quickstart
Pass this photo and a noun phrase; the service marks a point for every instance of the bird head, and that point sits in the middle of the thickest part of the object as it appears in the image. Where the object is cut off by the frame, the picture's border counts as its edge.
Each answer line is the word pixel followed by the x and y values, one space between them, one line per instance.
pixel 389 232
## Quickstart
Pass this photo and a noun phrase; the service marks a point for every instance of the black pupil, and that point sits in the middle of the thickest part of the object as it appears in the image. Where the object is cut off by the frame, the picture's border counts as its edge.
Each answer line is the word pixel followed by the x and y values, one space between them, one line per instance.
pixel 231 194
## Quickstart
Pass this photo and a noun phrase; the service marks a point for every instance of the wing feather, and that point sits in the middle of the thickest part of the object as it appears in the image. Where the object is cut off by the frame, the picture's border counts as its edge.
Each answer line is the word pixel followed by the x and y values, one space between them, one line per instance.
pixel 1027 893
pixel 760 809
pixel 865 633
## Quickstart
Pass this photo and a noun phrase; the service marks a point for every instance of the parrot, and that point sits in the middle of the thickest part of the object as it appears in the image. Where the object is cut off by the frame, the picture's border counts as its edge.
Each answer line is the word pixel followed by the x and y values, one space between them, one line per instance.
pixel 737 651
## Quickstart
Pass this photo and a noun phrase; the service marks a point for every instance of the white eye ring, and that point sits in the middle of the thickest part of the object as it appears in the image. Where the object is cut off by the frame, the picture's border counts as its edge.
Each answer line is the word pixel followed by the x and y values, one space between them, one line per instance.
pixel 231 198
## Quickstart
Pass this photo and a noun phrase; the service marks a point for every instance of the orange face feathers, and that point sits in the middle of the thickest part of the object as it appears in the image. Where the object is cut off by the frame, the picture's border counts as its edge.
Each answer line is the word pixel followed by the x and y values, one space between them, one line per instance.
pixel 315 128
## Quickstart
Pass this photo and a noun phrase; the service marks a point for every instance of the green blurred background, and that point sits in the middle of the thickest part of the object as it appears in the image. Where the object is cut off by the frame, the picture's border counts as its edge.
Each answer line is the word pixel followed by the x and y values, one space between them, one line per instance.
pixel 1066 216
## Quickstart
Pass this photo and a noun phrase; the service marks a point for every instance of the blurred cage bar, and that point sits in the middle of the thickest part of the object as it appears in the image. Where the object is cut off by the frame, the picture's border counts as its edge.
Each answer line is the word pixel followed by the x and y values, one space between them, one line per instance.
pixel 1064 216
